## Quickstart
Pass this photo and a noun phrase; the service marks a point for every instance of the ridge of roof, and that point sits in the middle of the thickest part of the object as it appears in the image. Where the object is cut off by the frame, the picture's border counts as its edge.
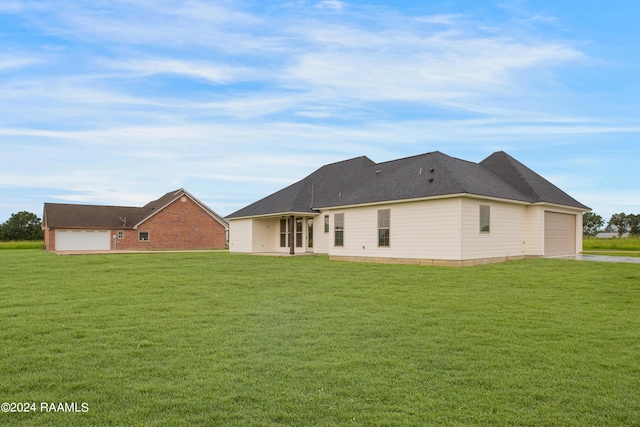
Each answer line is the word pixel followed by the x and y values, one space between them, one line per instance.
pixel 361 181
pixel 537 188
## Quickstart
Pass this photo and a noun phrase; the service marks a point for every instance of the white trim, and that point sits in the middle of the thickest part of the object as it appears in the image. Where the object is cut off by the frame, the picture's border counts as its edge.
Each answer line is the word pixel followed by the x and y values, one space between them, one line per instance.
pixel 276 215
pixel 420 199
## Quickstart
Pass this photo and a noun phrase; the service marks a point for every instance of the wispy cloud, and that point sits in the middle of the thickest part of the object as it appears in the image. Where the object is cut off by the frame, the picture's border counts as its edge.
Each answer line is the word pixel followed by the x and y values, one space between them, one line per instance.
pixel 230 95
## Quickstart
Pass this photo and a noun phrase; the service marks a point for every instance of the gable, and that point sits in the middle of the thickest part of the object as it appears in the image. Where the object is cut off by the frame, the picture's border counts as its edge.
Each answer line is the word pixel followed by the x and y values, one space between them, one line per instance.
pixel 156 206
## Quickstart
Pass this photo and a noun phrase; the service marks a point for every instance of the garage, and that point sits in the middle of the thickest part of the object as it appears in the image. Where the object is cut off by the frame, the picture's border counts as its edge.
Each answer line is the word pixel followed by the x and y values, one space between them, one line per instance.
pixel 559 234
pixel 83 240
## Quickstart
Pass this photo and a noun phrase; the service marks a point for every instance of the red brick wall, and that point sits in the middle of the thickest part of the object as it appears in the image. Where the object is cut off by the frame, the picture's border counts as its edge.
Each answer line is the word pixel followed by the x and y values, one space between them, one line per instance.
pixel 49 239
pixel 181 225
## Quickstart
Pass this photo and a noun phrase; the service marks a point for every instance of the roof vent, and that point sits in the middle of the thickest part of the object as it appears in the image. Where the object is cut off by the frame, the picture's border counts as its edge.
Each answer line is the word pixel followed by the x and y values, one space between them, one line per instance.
pixel 430 179
pixel 378 171
pixel 432 170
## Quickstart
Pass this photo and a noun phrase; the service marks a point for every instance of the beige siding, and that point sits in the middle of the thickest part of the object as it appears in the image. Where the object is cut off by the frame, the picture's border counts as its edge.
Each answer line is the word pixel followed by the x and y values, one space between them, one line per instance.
pixel 535 231
pixel 508 233
pixel 320 238
pixel 241 235
pixel 263 235
pixel 423 230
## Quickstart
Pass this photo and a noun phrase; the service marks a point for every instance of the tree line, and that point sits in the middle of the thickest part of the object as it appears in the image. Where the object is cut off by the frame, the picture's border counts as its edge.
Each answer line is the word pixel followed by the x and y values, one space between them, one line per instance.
pixel 21 226
pixel 620 223
pixel 27 226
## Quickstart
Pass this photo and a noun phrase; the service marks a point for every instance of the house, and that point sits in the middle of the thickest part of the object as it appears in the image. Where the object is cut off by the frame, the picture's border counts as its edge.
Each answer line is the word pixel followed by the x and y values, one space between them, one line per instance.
pixel 176 220
pixel 430 209
pixel 611 235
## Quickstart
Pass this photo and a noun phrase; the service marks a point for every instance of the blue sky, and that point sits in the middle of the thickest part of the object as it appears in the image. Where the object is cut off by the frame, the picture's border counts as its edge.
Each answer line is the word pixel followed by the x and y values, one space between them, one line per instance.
pixel 118 102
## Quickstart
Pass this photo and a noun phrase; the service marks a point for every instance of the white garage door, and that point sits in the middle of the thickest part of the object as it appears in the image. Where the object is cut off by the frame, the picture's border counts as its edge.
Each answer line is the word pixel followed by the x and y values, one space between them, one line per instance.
pixel 83 240
pixel 559 234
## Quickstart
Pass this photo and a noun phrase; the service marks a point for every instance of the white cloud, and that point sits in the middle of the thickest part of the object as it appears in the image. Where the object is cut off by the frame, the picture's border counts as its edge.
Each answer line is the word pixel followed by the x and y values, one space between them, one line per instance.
pixel 197 69
pixel 332 4
pixel 13 62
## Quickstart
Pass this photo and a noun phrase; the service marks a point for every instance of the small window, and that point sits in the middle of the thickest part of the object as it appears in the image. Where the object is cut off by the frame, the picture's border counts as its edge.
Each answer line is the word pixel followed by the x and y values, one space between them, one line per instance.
pixel 120 235
pixel 384 227
pixel 143 236
pixel 326 223
pixel 485 219
pixel 338 221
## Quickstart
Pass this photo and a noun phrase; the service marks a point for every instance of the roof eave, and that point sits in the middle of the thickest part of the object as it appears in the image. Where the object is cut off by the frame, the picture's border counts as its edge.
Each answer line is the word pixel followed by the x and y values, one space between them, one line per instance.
pixel 275 215
pixel 556 205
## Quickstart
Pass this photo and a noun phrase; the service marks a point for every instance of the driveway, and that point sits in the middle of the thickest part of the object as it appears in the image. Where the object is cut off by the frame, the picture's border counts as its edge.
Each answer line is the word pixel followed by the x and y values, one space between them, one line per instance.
pixel 606 258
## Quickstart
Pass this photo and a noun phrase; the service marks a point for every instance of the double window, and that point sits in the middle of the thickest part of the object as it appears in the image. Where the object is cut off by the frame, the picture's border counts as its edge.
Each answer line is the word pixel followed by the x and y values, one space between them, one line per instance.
pixel 283 233
pixel 384 228
pixel 298 232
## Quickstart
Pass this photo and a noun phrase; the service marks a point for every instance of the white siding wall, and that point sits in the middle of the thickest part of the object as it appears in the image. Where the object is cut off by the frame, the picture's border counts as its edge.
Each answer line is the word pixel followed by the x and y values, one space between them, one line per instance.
pixel 264 235
pixel 508 230
pixel 535 231
pixel 241 235
pixel 421 230
pixel 320 238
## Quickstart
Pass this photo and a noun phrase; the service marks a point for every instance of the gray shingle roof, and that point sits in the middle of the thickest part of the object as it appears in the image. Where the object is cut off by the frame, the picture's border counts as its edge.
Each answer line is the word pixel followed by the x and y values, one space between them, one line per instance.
pixel 362 181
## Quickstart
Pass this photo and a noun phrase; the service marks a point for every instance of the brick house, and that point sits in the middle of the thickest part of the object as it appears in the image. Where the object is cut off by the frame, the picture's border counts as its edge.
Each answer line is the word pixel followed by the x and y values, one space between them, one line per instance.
pixel 176 220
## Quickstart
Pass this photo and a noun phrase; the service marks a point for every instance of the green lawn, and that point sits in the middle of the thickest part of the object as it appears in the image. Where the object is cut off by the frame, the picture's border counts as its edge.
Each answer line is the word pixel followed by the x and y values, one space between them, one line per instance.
pixel 233 340
pixel 626 244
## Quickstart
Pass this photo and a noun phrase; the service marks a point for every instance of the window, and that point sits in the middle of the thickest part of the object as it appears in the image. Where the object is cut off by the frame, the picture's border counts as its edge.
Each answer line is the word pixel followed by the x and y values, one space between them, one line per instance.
pixel 485 219
pixel 310 232
pixel 384 225
pixel 283 233
pixel 298 232
pixel 143 236
pixel 326 223
pixel 120 235
pixel 338 220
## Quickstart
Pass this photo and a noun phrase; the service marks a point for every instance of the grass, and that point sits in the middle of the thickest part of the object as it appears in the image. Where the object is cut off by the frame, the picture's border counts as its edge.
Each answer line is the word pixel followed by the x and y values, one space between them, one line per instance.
pixel 25 244
pixel 615 247
pixel 222 339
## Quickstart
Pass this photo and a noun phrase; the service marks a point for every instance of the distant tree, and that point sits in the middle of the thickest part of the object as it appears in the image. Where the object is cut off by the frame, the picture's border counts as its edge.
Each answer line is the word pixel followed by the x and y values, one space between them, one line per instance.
pixel 22 226
pixel 619 223
pixel 633 221
pixel 591 223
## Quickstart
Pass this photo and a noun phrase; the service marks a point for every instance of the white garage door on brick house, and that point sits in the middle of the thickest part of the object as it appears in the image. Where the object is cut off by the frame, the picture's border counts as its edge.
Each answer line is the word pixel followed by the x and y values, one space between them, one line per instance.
pixel 83 240
pixel 559 234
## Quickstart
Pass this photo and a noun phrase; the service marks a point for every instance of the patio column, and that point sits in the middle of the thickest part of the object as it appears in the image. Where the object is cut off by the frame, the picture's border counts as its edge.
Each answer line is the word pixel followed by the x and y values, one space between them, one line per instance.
pixel 292 230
